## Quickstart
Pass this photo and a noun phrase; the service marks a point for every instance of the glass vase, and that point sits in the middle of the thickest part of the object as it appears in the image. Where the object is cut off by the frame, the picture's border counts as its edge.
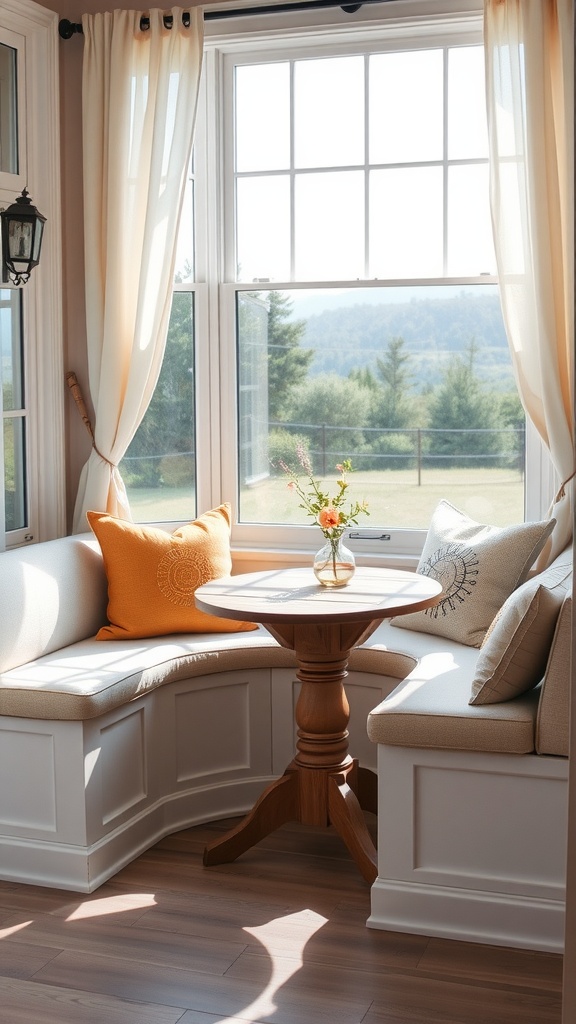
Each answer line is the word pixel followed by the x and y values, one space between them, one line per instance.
pixel 334 564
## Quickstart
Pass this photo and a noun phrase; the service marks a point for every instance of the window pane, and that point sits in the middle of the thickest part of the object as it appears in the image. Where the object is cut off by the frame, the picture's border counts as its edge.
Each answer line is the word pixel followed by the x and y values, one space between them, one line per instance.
pixel 253 313
pixel 467 127
pixel 8 111
pixel 329 112
pixel 159 468
pixel 263 228
pixel 263 117
pixel 414 385
pixel 329 214
pixel 406 224
pixel 470 241
pixel 406 106
pixel 15 473
pixel 11 348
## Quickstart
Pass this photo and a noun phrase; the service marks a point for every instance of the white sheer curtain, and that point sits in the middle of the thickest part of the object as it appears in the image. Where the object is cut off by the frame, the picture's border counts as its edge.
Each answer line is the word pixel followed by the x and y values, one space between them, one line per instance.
pixel 530 83
pixel 140 90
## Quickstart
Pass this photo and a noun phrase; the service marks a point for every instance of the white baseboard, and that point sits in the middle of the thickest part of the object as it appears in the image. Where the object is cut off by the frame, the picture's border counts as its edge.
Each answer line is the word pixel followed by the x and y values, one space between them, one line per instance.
pixel 84 869
pixel 499 919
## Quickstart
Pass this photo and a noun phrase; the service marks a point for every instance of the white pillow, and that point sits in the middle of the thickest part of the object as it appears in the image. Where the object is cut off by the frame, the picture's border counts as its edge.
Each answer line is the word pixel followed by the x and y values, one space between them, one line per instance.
pixel 478 566
pixel 515 651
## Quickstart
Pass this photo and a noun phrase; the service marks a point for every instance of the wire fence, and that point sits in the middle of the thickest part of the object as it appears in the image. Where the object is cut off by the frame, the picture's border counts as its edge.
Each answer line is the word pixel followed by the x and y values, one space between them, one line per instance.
pixel 415 449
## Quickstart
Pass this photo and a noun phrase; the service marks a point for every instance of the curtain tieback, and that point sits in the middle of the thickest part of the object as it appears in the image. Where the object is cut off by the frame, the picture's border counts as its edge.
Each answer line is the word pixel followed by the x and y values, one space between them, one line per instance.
pixel 562 489
pixel 72 382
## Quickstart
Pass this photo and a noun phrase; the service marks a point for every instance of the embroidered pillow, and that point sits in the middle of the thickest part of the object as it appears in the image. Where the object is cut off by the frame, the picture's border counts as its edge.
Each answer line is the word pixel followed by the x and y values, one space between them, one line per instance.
pixel 153 575
pixel 478 566
pixel 515 651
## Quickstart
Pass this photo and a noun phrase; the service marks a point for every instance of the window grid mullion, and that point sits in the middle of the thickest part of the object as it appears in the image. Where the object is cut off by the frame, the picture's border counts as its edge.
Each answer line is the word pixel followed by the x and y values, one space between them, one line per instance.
pixel 366 166
pixel 445 163
pixel 292 175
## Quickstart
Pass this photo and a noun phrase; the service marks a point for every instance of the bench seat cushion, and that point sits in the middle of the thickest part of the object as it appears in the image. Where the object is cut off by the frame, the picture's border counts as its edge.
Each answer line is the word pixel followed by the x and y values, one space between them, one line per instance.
pixel 89 678
pixel 430 708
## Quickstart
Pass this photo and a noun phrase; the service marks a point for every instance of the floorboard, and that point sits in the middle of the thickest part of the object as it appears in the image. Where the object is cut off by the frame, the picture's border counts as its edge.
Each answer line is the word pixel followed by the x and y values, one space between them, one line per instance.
pixel 278 937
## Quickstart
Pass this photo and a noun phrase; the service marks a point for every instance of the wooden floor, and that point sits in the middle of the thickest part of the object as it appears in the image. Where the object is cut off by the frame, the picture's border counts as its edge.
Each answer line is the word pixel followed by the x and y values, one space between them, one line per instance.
pixel 279 936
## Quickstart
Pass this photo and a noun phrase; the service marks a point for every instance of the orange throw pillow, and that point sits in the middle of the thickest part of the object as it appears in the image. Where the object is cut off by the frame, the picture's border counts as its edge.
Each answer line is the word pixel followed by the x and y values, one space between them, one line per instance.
pixel 153 575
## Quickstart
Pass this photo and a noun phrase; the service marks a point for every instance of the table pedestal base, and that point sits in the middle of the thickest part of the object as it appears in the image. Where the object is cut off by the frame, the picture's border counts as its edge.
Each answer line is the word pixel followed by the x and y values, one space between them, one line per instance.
pixel 323 785
pixel 312 797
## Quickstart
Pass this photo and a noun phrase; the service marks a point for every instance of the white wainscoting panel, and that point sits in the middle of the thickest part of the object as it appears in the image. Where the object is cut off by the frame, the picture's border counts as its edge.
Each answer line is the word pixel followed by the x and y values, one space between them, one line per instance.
pixel 477 850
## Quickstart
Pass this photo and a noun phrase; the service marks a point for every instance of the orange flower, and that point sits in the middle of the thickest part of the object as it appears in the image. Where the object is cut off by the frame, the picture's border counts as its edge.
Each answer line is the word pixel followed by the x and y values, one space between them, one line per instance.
pixel 328 518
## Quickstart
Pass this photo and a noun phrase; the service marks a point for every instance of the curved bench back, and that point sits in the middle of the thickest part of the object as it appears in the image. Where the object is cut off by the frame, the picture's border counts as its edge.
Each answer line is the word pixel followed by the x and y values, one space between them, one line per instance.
pixel 51 595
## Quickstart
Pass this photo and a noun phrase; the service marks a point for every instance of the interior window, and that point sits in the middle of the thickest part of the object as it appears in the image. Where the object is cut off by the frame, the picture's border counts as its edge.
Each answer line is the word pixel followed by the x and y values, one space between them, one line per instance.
pixel 8 110
pixel 16 516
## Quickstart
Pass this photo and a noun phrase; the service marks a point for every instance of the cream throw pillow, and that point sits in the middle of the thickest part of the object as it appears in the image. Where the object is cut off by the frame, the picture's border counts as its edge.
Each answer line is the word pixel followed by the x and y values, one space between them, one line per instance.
pixel 478 566
pixel 515 651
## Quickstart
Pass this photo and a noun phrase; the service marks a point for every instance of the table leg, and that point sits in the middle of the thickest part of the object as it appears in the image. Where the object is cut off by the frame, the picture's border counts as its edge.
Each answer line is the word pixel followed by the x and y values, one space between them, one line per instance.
pixel 276 806
pixel 312 797
pixel 346 816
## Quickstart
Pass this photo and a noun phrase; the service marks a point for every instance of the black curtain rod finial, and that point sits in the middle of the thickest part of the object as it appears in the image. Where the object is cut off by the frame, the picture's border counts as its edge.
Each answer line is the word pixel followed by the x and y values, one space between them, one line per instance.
pixel 66 29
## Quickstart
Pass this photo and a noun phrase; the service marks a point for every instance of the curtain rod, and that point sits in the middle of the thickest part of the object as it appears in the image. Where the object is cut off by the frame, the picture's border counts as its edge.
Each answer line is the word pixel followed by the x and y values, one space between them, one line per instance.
pixel 66 29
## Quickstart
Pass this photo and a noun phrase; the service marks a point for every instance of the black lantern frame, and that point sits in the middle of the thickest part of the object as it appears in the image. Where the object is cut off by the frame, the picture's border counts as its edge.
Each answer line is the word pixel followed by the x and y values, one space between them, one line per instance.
pixel 22 228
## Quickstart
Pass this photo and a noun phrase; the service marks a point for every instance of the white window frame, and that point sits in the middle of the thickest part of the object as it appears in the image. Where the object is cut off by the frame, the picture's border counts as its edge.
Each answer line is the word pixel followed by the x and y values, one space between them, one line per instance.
pixel 451 22
pixel 34 31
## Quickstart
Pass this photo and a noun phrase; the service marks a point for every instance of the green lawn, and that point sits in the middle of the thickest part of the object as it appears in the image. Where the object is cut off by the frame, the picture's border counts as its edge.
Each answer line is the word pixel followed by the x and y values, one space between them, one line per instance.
pixel 395 499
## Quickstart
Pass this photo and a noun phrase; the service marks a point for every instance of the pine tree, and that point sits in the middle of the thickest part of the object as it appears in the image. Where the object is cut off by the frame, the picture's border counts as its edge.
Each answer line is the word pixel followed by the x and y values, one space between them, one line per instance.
pixel 464 417
pixel 391 409
pixel 288 364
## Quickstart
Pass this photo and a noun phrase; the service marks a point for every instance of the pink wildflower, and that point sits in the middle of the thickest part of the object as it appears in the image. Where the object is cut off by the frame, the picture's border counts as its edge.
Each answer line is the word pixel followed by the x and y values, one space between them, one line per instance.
pixel 303 458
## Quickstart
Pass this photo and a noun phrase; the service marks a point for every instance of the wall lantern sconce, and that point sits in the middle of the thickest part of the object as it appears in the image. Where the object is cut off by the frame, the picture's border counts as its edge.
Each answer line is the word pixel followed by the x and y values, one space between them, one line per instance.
pixel 22 229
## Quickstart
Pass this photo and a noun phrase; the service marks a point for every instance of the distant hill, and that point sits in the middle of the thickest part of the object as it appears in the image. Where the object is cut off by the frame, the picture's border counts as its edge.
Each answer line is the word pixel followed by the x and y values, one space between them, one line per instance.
pixel 434 330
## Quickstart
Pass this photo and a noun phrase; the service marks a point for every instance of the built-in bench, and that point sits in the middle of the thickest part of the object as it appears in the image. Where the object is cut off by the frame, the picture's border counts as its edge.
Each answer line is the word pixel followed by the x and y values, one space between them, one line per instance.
pixel 472 801
pixel 106 746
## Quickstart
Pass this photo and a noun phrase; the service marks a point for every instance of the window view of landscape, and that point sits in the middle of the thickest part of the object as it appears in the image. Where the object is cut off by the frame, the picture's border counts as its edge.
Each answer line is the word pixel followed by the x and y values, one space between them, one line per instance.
pixel 413 385
pixel 159 467
pixel 373 169
pixel 13 410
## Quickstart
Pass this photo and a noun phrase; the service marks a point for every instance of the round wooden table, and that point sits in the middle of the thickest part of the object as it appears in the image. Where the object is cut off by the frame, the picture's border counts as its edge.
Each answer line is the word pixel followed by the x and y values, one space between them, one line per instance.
pixel 323 785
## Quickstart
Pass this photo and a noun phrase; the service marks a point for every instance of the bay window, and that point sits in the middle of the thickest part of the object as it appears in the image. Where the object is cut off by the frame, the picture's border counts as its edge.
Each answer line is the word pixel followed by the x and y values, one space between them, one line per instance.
pixel 341 293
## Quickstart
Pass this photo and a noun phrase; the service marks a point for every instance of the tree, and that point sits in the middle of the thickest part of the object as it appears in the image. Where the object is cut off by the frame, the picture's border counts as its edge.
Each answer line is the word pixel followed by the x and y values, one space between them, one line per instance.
pixel 163 446
pixel 331 411
pixel 512 411
pixel 364 376
pixel 392 407
pixel 513 417
pixel 463 417
pixel 288 364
